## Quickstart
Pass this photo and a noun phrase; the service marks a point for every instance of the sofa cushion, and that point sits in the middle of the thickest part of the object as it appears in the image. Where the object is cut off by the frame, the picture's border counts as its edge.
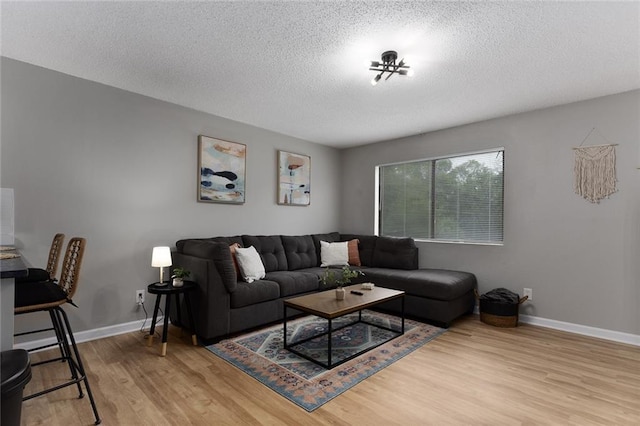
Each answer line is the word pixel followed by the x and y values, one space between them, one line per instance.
pixel 294 282
pixel 366 246
pixel 229 240
pixel 258 291
pixel 436 284
pixel 300 251
pixel 250 264
pixel 330 238
pixel 232 249
pixel 219 253
pixel 354 253
pixel 396 253
pixel 270 249
pixel 317 272
pixel 334 254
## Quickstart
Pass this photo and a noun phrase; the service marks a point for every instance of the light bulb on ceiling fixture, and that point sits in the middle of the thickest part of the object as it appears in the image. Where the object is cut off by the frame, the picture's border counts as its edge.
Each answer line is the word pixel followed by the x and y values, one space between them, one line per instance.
pixel 410 73
pixel 376 79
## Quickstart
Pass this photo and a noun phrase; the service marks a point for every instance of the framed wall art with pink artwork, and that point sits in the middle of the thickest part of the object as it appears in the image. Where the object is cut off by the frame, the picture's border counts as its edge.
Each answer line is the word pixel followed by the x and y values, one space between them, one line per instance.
pixel 294 179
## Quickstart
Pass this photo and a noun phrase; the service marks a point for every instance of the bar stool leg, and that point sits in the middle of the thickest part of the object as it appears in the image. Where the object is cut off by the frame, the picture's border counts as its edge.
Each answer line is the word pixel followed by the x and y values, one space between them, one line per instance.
pixel 56 329
pixel 78 363
pixel 56 318
pixel 152 330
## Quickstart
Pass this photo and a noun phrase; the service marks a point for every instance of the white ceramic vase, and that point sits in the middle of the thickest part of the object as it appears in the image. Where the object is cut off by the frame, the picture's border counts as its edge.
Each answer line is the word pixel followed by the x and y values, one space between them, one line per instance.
pixel 339 293
pixel 178 282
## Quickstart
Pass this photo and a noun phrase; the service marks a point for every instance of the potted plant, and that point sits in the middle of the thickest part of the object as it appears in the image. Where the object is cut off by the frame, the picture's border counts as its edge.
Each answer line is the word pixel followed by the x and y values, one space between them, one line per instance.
pixel 332 278
pixel 179 274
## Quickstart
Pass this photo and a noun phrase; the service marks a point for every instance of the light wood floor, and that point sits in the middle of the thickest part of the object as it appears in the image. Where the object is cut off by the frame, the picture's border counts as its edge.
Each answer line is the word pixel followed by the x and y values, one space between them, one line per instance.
pixel 473 374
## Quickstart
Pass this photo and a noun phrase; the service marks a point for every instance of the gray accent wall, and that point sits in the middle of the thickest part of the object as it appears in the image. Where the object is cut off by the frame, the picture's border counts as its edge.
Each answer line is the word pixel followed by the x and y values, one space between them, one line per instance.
pixel 582 260
pixel 120 169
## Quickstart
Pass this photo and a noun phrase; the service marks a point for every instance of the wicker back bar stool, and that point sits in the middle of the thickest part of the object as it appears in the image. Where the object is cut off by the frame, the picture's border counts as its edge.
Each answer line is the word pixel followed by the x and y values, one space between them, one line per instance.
pixel 49 273
pixel 50 296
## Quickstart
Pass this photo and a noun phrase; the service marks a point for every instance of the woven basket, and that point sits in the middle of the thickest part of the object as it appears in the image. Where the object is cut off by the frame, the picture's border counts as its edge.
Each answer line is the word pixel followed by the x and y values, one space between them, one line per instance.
pixel 500 320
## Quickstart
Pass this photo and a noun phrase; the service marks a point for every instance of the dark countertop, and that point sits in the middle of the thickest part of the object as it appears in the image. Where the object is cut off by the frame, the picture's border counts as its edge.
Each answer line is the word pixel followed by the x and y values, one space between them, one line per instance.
pixel 12 268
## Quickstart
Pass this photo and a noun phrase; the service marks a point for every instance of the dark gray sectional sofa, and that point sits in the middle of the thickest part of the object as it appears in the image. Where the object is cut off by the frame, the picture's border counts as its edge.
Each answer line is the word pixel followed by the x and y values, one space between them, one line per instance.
pixel 223 304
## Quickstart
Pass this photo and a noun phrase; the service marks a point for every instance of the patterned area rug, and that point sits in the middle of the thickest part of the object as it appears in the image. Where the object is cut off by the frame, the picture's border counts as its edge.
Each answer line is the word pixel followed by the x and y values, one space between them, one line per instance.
pixel 262 356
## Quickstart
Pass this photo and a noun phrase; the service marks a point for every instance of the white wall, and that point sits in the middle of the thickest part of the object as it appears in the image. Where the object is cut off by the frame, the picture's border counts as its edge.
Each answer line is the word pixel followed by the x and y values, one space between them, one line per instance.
pixel 582 260
pixel 120 169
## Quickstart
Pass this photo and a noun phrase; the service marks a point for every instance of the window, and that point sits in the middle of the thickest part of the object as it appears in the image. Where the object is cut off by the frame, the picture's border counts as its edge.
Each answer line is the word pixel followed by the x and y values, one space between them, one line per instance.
pixel 448 199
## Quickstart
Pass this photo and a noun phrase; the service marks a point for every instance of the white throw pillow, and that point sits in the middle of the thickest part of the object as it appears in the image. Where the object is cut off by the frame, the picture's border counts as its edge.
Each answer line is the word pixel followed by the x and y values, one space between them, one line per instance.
pixel 250 264
pixel 334 254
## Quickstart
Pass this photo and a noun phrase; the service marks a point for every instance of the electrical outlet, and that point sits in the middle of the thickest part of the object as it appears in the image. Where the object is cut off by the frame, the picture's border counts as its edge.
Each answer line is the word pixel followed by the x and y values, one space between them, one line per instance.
pixel 139 297
pixel 528 292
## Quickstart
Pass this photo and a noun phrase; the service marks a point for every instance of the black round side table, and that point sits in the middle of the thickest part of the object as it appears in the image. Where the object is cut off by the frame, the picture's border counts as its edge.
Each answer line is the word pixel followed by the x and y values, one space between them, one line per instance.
pixel 167 290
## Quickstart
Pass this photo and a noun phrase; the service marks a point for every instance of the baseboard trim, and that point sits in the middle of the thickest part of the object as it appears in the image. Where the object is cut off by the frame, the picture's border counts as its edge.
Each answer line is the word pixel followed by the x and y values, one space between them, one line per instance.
pixel 584 330
pixel 87 335
pixel 114 330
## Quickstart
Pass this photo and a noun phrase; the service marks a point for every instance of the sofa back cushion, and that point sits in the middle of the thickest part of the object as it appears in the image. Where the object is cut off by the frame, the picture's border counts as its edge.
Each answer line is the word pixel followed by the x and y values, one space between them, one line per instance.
pixel 396 253
pixel 229 240
pixel 366 246
pixel 219 253
pixel 270 249
pixel 300 251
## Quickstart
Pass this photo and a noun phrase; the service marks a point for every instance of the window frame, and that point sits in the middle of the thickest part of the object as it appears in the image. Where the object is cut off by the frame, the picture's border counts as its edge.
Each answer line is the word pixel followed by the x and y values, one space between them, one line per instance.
pixel 378 206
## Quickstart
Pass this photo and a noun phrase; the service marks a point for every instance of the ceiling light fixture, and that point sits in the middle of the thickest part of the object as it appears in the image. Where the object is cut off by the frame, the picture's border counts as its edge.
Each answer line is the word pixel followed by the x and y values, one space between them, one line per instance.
pixel 388 65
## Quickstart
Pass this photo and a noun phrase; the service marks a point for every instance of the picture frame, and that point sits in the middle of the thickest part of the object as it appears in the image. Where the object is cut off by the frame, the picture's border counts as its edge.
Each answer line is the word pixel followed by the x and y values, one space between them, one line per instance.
pixel 221 171
pixel 294 179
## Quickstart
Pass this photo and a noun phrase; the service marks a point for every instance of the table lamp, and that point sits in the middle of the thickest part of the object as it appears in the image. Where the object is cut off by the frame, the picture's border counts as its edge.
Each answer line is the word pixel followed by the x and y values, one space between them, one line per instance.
pixel 160 258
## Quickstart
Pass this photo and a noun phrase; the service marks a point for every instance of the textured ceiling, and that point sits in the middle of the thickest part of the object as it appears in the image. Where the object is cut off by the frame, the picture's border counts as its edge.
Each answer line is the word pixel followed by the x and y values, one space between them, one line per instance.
pixel 300 68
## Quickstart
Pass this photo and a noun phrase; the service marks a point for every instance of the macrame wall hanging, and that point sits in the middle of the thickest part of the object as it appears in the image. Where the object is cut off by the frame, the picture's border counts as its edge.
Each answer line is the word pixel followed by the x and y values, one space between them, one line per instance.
pixel 595 170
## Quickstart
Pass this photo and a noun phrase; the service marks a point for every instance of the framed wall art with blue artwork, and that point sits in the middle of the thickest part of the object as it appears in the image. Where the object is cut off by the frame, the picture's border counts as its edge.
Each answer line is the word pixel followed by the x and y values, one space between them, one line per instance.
pixel 221 171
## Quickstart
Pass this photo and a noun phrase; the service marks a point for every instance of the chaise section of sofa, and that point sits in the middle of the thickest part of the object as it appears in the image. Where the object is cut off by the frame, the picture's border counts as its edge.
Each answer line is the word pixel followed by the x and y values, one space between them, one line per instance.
pixel 437 296
pixel 224 304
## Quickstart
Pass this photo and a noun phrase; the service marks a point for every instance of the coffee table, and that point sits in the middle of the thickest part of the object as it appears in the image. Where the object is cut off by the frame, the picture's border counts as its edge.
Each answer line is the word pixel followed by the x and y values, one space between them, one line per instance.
pixel 325 305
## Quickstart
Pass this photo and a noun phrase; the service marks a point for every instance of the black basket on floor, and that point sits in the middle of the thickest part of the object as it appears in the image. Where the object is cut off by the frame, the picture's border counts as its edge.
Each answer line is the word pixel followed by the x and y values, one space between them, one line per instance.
pixel 500 307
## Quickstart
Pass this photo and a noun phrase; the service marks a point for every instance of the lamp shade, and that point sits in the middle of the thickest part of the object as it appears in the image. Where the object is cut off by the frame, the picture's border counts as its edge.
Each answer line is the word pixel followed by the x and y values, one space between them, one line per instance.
pixel 161 257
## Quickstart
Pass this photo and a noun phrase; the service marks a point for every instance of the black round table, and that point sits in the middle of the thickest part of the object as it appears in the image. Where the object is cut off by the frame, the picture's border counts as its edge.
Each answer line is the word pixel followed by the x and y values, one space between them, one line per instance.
pixel 168 290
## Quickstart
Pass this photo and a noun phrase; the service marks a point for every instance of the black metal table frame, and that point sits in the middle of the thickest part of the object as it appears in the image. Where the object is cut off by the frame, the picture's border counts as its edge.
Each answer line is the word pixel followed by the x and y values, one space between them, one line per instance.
pixel 329 365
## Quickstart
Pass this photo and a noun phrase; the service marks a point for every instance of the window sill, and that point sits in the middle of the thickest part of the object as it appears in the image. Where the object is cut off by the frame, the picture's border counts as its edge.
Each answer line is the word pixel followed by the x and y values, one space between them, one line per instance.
pixel 469 243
